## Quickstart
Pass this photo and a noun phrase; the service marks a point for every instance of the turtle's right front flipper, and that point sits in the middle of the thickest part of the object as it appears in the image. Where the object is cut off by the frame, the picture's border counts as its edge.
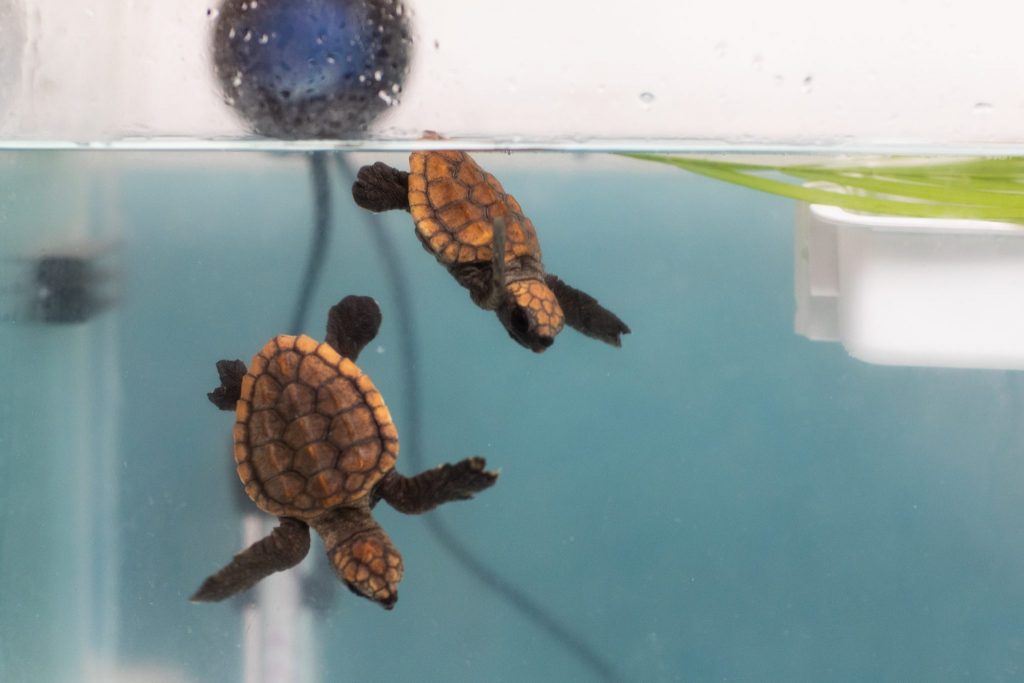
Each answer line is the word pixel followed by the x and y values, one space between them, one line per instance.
pixel 381 188
pixel 227 394
pixel 284 548
pixel 584 314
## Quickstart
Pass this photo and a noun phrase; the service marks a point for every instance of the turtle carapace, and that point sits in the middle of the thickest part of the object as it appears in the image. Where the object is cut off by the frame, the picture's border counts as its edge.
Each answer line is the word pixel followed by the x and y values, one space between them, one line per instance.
pixel 315 446
pixel 479 233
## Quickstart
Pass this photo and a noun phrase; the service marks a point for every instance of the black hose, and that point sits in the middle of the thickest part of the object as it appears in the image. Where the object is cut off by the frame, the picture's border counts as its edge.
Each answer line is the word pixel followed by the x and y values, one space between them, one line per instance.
pixel 318 245
pixel 412 435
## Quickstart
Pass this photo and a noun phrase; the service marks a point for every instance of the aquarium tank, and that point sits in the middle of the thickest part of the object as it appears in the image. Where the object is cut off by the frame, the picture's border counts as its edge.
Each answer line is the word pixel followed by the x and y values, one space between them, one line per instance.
pixel 685 344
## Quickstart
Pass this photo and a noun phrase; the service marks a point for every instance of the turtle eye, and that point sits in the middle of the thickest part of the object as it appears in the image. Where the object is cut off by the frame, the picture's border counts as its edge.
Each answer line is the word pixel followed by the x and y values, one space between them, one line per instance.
pixel 520 323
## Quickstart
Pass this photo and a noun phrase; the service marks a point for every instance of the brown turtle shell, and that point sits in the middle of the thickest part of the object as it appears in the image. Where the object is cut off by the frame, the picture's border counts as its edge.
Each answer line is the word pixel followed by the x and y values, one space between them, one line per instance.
pixel 312 431
pixel 454 203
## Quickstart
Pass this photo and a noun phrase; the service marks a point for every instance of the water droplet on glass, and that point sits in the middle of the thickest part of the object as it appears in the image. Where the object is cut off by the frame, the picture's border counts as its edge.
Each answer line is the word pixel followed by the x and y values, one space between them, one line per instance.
pixel 983 107
pixel 378 74
pixel 808 83
pixel 264 39
pixel 647 97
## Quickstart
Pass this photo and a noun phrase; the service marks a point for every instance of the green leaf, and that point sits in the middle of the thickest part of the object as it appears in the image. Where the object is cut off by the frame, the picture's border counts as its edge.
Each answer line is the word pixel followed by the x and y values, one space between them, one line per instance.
pixel 991 189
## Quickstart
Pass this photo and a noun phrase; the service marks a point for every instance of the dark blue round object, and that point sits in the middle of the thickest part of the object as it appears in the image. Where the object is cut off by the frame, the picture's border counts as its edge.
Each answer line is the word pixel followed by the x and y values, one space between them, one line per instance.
pixel 311 68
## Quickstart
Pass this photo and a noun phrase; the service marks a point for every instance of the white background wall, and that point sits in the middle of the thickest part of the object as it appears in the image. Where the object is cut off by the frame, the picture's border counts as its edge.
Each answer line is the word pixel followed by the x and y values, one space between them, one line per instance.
pixel 874 72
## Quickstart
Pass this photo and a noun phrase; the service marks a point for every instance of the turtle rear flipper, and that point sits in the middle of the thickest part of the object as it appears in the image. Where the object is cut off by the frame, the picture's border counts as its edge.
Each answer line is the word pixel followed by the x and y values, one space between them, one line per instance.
pixel 284 548
pixel 443 484
pixel 584 314
pixel 227 394
pixel 352 323
pixel 381 188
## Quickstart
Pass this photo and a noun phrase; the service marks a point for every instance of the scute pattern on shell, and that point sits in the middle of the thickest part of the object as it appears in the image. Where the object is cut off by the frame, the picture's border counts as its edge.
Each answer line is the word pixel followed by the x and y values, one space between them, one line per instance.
pixel 454 203
pixel 312 431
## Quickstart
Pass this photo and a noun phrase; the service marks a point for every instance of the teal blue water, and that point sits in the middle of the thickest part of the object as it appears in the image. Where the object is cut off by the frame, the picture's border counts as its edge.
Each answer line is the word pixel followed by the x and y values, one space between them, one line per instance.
pixel 718 500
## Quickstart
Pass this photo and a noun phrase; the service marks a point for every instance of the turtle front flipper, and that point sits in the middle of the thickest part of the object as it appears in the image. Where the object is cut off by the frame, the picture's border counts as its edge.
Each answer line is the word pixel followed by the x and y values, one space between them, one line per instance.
pixel 584 314
pixel 427 490
pixel 352 323
pixel 227 394
pixel 381 188
pixel 284 548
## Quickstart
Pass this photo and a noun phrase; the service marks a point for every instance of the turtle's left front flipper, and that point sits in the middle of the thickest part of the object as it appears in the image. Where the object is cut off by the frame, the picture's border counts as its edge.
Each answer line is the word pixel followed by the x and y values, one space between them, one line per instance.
pixel 584 314
pixel 427 490
pixel 227 394
pixel 284 548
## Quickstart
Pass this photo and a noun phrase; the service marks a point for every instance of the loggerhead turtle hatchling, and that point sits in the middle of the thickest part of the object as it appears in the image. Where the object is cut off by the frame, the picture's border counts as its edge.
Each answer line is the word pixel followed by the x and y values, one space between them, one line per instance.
pixel 479 233
pixel 315 445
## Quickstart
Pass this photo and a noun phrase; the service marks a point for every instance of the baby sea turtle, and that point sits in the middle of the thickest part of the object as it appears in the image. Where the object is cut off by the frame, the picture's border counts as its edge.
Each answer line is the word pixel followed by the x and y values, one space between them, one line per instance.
pixel 315 445
pixel 479 233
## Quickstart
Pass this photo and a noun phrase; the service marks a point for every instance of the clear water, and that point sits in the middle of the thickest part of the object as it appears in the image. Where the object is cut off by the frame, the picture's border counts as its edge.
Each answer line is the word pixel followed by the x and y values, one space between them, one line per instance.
pixel 719 500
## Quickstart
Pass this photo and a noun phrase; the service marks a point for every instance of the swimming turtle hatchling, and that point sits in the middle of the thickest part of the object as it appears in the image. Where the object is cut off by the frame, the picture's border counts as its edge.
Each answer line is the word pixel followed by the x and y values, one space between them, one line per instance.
pixel 315 445
pixel 479 233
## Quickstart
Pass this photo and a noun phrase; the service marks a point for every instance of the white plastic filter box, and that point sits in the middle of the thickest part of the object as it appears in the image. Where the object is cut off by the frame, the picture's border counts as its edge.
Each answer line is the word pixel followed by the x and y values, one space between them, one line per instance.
pixel 911 291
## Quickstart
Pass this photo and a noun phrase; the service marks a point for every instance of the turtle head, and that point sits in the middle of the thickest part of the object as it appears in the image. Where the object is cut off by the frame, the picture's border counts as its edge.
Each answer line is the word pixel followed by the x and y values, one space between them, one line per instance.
pixel 531 314
pixel 369 565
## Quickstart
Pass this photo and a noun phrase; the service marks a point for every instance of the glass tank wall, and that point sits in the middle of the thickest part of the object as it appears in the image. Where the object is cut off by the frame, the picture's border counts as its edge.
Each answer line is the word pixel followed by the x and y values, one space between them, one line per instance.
pixel 720 498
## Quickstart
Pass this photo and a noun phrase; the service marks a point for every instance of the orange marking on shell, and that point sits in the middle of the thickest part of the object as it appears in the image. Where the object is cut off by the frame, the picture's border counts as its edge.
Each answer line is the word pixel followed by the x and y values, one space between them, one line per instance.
pixel 437 168
pixel 417 162
pixel 444 192
pixel 240 433
pixel 477 234
pixel 469 173
pixel 437 242
pixel 418 198
pixel 265 392
pixel 428 228
pixel 284 487
pixel 388 431
pixel 382 414
pixel 336 395
pixel 268 350
pixel 420 212
pixel 244 470
pixel 460 214
pixel 326 483
pixel 484 194
pixel 354 482
pixel 450 252
pixel 296 400
pixel 365 384
pixel 242 410
pixel 360 458
pixel 306 344
pixel 246 389
pixel 258 364
pixel 313 370
pixel 328 354
pixel 271 459
pixel 305 430
pixel 315 457
pixel 285 365
pixel 351 426
pixel 417 183
pixel 347 368
pixel 285 342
